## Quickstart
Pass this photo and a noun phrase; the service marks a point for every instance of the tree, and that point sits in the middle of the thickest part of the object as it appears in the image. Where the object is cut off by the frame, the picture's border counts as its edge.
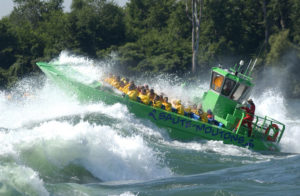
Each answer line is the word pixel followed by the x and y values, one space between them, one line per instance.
pixel 196 14
pixel 8 44
pixel 95 25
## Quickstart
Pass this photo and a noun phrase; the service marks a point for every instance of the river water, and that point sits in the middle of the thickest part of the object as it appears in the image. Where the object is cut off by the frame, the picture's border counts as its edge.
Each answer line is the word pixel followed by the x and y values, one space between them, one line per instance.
pixel 50 144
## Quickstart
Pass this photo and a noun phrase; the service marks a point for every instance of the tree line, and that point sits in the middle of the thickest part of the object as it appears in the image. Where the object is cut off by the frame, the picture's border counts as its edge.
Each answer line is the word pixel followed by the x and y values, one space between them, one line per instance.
pixel 152 35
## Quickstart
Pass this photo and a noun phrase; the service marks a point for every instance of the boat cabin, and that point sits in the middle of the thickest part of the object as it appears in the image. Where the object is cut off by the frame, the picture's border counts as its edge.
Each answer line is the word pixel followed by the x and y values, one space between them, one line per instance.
pixel 228 88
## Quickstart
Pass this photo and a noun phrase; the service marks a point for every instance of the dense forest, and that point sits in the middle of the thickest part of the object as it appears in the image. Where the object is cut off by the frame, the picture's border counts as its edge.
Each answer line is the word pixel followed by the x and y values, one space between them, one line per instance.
pixel 153 35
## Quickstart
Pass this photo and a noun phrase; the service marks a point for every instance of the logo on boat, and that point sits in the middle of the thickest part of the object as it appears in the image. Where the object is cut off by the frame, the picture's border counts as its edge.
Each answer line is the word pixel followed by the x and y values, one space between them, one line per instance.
pixel 206 129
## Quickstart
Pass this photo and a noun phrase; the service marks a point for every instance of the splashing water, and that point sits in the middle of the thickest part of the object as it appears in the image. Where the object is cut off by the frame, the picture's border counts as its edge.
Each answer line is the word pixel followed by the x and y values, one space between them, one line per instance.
pixel 68 148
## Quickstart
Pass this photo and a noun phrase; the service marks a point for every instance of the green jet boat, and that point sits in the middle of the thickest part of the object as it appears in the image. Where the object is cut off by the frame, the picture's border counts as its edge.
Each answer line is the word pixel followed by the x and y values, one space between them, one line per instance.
pixel 228 90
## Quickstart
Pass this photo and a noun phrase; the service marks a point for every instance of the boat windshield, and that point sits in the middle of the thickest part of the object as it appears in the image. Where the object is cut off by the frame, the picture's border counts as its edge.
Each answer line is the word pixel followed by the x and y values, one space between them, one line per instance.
pixel 228 87
pixel 239 93
pixel 216 82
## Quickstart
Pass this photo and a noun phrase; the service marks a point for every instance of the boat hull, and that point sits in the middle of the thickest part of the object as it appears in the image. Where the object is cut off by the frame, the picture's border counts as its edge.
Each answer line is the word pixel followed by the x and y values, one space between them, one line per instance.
pixel 179 127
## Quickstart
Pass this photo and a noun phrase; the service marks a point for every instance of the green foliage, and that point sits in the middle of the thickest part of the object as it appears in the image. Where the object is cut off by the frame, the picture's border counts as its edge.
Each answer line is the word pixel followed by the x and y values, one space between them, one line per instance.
pixel 280 45
pixel 8 44
pixel 95 25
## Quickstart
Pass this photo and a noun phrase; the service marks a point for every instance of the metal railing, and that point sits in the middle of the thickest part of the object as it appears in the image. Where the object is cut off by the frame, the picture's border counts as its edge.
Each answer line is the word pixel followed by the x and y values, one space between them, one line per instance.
pixel 261 126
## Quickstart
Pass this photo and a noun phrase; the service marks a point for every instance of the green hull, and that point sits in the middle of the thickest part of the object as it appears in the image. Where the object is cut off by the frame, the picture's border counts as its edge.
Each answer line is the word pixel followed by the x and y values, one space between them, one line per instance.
pixel 179 127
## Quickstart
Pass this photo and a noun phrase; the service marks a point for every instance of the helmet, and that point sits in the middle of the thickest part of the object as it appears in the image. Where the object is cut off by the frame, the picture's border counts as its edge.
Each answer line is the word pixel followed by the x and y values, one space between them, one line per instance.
pixel 209 111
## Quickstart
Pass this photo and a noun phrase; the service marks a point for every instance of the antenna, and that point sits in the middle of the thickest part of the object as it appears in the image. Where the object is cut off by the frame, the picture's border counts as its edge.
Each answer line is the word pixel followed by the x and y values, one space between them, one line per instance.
pixel 248 67
pixel 250 73
pixel 233 69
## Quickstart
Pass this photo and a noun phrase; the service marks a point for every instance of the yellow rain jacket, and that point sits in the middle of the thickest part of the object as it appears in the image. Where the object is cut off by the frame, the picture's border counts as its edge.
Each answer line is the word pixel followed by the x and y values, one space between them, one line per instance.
pixel 121 88
pixel 157 104
pixel 195 111
pixel 168 106
pixel 188 109
pixel 151 96
pixel 116 84
pixel 106 80
pixel 132 94
pixel 109 80
pixel 145 99
pixel 127 86
pixel 204 117
pixel 112 80
pixel 124 89
pixel 180 109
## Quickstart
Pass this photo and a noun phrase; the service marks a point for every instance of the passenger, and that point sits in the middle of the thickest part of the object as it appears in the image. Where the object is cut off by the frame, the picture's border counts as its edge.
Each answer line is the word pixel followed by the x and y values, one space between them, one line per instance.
pixel 144 97
pixel 112 79
pixel 203 115
pixel 109 78
pixel 194 109
pixel 123 80
pixel 178 107
pixel 161 96
pixel 188 111
pixel 250 110
pixel 139 89
pixel 125 89
pixel 156 102
pixel 132 92
pixel 121 86
pixel 168 106
pixel 147 88
pixel 194 112
pixel 127 86
pixel 116 82
pixel 211 119
pixel 151 95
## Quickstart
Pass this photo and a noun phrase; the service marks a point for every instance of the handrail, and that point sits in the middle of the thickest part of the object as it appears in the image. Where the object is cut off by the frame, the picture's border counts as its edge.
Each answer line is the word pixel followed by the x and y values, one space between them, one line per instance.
pixel 282 131
pixel 240 123
pixel 262 126
pixel 255 124
pixel 266 121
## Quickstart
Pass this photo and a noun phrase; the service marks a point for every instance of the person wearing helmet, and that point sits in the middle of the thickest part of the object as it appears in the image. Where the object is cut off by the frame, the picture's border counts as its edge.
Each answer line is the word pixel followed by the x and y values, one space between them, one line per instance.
pixel 250 110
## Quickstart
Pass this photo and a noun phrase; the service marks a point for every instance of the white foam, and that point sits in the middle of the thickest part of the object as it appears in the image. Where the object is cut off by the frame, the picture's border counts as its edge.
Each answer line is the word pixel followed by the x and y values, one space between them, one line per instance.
pixel 47 103
pixel 99 149
pixel 21 179
pixel 127 193
pixel 273 104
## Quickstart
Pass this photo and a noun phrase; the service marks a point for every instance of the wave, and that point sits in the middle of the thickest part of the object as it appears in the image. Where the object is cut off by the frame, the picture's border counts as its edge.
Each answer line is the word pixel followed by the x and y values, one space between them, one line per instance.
pixel 50 137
